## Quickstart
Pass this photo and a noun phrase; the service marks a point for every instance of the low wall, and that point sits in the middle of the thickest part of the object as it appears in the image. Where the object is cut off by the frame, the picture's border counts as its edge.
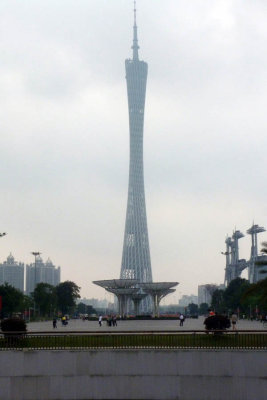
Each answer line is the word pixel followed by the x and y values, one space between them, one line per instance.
pixel 133 374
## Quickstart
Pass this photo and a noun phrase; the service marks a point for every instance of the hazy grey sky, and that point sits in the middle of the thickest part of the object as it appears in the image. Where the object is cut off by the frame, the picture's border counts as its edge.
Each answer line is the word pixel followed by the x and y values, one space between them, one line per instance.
pixel 65 141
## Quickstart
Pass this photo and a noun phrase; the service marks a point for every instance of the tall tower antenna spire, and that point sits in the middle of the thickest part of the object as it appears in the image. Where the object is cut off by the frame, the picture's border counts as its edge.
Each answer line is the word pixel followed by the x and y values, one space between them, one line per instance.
pixel 136 263
pixel 135 46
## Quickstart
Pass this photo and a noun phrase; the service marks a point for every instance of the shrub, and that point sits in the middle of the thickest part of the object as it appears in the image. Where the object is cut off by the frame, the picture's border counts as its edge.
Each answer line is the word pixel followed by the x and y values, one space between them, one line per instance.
pixel 217 322
pixel 14 325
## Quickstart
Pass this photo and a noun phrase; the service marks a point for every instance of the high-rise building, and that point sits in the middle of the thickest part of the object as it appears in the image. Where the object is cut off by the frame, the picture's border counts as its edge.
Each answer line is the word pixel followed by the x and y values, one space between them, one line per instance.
pixel 12 272
pixel 185 300
pixel 41 272
pixel 205 293
pixel 136 262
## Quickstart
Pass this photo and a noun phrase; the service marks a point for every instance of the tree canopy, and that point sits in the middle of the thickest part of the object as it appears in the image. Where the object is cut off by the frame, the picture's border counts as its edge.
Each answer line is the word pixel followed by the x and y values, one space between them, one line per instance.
pixel 256 294
pixel 45 298
pixel 85 309
pixel 67 293
pixel 233 294
pixel 193 309
pixel 203 308
pixel 241 296
pixel 218 301
pixel 12 299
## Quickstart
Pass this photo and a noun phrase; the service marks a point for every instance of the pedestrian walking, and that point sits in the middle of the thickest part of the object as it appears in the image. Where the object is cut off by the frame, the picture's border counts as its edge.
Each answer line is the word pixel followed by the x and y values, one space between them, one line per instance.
pixel 54 323
pixel 114 320
pixel 234 321
pixel 100 320
pixel 181 320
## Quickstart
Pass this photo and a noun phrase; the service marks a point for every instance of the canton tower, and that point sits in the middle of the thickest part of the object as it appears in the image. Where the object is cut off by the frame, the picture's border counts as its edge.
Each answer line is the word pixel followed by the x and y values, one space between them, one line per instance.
pixel 136 262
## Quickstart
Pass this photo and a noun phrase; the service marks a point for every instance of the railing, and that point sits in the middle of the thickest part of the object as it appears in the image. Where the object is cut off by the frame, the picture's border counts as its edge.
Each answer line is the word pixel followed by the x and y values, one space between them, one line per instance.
pixel 134 340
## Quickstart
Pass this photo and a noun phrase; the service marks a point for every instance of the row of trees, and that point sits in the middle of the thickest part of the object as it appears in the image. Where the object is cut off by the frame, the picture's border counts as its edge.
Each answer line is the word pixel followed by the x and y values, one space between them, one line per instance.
pixel 241 296
pixel 46 299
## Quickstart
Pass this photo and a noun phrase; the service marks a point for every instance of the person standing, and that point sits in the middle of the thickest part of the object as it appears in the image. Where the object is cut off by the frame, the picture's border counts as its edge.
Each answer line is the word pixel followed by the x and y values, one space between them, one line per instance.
pixel 54 322
pixel 181 320
pixel 234 321
pixel 100 320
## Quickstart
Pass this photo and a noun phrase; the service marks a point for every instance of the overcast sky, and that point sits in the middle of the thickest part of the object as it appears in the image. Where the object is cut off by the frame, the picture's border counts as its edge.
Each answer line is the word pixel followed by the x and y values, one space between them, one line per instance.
pixel 64 153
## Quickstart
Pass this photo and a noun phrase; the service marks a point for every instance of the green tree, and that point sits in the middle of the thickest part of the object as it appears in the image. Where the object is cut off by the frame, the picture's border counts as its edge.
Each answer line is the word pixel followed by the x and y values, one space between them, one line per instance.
pixel 256 295
pixel 12 300
pixel 27 302
pixel 193 309
pixel 81 308
pixel 262 263
pixel 45 298
pixel 233 294
pixel 217 302
pixel 203 308
pixel 85 309
pixel 67 293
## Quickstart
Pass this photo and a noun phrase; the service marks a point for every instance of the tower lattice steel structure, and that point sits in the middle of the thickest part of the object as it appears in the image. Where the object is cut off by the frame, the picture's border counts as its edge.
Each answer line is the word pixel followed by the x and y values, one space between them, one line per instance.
pixel 136 262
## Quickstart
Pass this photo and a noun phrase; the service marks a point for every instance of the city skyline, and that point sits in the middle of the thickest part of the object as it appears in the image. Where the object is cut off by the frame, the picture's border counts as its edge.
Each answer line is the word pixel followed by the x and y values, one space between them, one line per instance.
pixel 24 277
pixel 64 153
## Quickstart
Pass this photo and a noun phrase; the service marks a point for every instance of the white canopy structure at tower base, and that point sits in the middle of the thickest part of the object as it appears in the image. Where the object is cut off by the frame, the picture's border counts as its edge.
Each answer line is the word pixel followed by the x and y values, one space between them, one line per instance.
pixel 158 290
pixel 132 289
pixel 122 288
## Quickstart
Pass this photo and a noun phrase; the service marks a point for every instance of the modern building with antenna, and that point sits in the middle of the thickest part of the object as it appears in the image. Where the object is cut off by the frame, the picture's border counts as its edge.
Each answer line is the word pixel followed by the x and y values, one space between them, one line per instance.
pixel 136 263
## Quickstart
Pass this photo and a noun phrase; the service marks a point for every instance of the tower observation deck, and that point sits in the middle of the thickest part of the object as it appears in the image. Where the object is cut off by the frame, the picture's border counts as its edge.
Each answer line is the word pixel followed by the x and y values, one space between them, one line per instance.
pixel 136 262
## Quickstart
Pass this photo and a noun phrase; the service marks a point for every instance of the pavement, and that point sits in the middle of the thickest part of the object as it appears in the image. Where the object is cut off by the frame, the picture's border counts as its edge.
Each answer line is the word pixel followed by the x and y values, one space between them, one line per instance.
pixel 126 325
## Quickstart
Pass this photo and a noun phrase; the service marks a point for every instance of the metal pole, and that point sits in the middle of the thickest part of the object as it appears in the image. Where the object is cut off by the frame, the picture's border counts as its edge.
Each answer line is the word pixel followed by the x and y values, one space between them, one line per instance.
pixel 1 235
pixel 34 272
pixel 35 254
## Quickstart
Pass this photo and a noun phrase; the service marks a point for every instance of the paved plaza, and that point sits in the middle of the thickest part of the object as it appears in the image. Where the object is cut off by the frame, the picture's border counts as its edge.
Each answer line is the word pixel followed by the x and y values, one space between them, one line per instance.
pixel 147 325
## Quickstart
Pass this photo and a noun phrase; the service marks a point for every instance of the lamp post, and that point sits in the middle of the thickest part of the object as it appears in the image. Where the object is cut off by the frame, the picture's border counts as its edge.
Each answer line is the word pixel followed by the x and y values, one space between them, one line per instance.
pixel 35 254
pixel 1 235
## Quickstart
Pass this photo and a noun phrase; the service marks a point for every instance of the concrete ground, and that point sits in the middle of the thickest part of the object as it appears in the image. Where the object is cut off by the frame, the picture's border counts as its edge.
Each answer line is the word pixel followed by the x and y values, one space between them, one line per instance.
pixel 148 325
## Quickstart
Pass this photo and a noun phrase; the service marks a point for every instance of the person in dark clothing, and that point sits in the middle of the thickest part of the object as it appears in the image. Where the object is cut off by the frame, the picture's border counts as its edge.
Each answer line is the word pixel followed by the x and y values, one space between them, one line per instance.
pixel 114 320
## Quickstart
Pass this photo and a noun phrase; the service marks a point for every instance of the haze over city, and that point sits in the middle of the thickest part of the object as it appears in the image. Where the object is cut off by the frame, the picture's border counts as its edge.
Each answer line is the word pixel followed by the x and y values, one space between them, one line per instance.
pixel 65 134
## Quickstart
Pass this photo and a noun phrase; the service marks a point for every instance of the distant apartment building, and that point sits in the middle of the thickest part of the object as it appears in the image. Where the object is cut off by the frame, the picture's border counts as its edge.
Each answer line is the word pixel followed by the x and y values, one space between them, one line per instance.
pixel 205 293
pixel 41 272
pixel 12 273
pixel 185 300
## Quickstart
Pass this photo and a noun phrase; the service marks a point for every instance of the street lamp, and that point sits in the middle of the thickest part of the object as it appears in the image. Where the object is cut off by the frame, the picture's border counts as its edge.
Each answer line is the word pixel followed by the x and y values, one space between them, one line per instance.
pixel 35 254
pixel 1 235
